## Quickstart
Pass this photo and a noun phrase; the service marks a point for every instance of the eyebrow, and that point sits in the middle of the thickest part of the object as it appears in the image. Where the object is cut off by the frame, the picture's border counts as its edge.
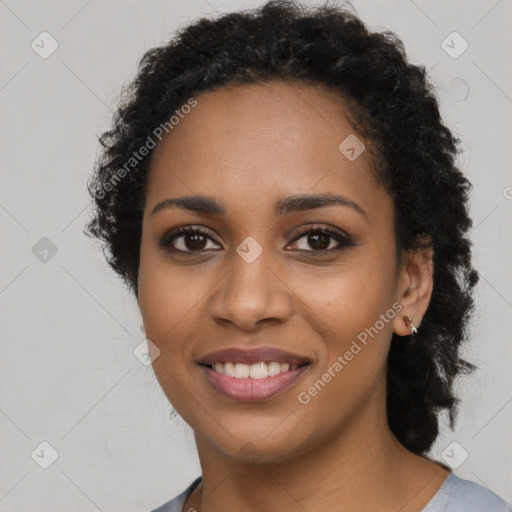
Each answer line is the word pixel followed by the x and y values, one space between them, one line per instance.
pixel 210 206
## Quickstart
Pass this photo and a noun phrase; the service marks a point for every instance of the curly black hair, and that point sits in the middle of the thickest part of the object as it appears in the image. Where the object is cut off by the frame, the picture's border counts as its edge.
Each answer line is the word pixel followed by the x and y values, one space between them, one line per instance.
pixel 392 104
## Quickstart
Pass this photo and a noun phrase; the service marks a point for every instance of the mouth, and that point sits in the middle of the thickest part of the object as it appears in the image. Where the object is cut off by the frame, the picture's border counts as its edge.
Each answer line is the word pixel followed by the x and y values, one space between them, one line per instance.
pixel 249 375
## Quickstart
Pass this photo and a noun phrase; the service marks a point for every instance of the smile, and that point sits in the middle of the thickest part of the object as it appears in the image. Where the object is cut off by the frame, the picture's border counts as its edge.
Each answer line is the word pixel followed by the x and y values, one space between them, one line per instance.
pixel 247 375
pixel 256 374
pixel 250 389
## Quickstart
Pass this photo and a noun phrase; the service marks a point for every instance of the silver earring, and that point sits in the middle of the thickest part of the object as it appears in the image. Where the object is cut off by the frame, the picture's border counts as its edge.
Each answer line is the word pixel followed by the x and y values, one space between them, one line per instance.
pixel 408 322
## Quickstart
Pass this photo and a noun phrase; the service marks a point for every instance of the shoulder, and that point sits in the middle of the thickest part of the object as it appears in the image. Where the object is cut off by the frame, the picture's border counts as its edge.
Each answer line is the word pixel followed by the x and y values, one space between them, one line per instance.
pixel 176 504
pixel 459 495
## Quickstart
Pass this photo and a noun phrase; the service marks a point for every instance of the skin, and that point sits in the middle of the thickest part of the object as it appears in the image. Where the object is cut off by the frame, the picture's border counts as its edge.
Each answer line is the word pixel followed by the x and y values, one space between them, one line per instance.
pixel 248 147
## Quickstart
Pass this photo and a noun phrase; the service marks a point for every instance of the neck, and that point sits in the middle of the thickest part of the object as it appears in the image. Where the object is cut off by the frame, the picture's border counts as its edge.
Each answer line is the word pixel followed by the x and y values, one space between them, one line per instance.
pixel 362 468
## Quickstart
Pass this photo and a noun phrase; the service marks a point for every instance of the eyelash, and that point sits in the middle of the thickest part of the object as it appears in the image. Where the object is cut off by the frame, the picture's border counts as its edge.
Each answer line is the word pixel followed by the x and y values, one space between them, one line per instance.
pixel 343 240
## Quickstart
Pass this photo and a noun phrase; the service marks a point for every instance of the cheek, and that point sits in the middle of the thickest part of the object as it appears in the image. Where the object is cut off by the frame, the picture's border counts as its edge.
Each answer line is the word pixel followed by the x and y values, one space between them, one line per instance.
pixel 351 295
pixel 346 311
pixel 351 308
pixel 169 310
pixel 166 299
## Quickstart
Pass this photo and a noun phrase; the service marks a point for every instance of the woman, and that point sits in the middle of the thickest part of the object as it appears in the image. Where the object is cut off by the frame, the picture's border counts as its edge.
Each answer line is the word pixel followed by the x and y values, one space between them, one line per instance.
pixel 280 193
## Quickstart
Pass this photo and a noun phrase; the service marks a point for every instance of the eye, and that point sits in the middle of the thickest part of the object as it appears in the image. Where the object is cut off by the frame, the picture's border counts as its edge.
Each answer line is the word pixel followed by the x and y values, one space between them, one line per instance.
pixel 186 239
pixel 323 241
pixel 189 239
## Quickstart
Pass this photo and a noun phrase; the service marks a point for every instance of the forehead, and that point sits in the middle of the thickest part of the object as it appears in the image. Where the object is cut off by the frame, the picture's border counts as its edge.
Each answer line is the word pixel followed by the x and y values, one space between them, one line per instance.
pixel 260 119
pixel 261 140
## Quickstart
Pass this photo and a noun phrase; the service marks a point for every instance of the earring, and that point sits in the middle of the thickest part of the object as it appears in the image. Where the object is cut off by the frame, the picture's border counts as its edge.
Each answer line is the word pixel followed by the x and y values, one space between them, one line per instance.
pixel 408 321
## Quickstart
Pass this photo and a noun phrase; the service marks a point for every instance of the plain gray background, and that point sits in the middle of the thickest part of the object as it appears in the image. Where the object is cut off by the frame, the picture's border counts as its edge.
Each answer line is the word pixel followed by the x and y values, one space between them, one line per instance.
pixel 68 374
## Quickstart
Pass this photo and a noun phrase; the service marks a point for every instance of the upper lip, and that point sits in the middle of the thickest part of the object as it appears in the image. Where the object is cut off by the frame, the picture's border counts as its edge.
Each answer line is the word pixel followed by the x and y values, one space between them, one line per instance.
pixel 252 356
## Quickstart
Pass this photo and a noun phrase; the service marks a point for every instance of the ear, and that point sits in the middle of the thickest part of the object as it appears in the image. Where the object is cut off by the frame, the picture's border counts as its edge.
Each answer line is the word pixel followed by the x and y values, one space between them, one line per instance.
pixel 414 285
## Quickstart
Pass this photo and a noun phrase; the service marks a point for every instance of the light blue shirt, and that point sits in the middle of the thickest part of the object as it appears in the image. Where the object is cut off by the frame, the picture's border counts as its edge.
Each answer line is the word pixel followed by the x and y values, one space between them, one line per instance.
pixel 455 495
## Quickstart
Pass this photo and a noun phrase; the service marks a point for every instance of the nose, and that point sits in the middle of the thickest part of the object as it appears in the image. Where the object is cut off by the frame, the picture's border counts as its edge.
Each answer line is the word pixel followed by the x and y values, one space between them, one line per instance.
pixel 251 294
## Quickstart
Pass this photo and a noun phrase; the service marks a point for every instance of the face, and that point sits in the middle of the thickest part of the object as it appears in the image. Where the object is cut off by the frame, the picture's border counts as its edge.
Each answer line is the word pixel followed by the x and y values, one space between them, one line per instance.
pixel 249 274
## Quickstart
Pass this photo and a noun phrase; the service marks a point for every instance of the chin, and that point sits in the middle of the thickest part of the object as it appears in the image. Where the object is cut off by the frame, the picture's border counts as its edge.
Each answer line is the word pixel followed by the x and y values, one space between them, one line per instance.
pixel 254 445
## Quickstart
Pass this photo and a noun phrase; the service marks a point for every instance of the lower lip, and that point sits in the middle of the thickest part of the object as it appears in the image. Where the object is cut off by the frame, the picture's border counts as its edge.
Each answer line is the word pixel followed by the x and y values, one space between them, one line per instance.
pixel 250 390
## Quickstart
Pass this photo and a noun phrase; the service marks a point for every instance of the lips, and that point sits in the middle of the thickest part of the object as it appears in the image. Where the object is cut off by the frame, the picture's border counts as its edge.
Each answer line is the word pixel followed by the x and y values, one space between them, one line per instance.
pixel 252 374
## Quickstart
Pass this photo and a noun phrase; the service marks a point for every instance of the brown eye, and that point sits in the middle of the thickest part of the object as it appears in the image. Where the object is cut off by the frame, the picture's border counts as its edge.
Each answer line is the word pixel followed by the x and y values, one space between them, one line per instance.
pixel 194 241
pixel 320 241
pixel 186 239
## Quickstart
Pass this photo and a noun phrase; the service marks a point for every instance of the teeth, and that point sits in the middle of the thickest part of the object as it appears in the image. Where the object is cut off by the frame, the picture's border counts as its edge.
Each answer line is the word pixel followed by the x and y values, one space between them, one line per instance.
pixel 241 371
pixel 274 368
pixel 258 371
pixel 253 371
pixel 229 369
